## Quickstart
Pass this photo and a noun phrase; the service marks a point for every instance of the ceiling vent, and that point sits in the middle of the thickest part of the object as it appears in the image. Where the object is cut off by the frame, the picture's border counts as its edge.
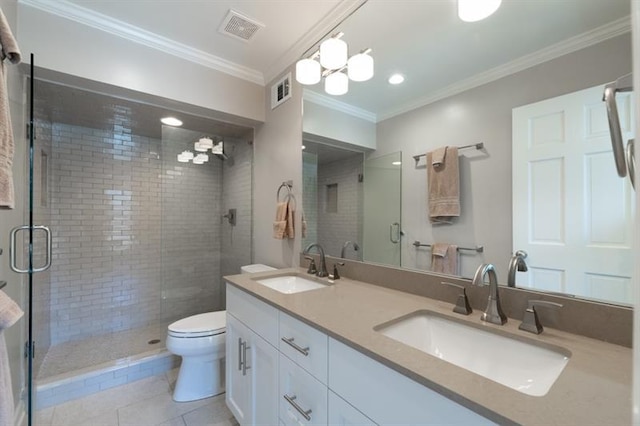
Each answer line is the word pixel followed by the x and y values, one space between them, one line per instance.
pixel 240 27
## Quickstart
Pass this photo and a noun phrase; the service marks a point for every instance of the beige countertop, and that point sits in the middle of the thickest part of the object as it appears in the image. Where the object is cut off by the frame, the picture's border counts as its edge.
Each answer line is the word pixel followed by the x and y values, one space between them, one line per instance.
pixel 593 389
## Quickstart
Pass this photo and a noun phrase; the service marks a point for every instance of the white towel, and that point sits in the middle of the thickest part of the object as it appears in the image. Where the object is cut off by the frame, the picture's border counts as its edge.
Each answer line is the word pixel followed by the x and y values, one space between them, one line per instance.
pixel 10 313
pixel 8 50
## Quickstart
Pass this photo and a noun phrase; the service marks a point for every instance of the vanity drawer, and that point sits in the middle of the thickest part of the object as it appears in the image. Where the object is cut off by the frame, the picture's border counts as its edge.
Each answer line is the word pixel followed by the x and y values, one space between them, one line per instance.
pixel 305 345
pixel 255 314
pixel 303 399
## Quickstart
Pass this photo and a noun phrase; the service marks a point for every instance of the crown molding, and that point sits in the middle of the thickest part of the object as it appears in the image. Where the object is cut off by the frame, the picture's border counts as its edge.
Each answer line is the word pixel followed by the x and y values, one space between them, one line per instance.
pixel 85 16
pixel 329 102
pixel 327 24
pixel 613 29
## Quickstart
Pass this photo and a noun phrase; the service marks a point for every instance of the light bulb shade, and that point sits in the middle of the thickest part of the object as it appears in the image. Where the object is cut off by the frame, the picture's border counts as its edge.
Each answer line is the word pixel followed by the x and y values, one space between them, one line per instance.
pixel 476 10
pixel 182 158
pixel 201 158
pixel 308 71
pixel 206 142
pixel 333 53
pixel 188 155
pixel 336 83
pixel 360 67
pixel 199 147
pixel 218 148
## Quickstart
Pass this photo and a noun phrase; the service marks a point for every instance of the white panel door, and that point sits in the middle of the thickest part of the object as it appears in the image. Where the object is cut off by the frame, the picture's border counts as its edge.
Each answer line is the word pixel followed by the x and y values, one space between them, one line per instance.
pixel 262 364
pixel 572 214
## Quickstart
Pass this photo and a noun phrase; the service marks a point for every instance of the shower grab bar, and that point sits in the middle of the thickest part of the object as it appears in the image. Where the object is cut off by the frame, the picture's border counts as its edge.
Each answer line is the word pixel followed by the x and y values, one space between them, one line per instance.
pixel 479 145
pixel 12 249
pixel 477 249
pixel 623 84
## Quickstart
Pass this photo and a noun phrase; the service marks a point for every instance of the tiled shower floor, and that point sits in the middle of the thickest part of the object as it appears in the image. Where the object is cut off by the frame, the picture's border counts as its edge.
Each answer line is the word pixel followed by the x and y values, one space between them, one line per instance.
pixel 71 357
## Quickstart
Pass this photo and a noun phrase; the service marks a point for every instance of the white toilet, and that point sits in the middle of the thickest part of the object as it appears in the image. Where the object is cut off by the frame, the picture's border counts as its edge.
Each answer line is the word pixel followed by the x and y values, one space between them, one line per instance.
pixel 200 341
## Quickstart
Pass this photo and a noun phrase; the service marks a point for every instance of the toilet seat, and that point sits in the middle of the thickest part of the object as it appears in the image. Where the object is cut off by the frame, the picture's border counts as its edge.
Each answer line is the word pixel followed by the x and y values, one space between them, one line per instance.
pixel 201 325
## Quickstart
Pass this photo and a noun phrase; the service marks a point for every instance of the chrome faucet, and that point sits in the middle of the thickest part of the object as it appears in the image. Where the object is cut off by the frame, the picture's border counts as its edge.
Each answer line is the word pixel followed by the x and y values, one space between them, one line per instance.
pixel 322 268
pixel 493 313
pixel 355 245
pixel 516 264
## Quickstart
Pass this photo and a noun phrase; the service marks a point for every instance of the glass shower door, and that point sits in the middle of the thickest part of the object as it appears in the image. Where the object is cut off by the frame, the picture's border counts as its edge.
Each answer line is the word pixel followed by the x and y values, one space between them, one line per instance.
pixel 382 214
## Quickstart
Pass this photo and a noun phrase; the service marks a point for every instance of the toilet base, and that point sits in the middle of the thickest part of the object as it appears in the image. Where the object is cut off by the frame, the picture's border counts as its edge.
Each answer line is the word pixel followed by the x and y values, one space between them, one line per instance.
pixel 190 385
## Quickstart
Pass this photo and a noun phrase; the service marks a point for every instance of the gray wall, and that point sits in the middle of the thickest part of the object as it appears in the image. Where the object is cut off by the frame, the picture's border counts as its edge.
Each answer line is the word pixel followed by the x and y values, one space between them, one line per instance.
pixel 483 114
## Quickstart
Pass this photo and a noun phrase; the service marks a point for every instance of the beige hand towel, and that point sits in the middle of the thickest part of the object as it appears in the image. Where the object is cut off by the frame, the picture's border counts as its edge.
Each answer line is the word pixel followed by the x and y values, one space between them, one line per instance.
pixel 280 224
pixel 290 229
pixel 9 50
pixel 444 258
pixel 10 313
pixel 443 183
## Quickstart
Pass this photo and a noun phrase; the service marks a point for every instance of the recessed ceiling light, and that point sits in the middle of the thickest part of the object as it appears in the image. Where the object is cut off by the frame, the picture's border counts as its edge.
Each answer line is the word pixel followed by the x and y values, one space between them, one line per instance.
pixel 303 147
pixel 171 121
pixel 396 163
pixel 396 79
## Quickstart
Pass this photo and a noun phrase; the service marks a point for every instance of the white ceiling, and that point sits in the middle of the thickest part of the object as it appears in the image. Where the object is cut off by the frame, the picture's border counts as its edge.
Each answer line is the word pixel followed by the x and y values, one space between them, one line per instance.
pixel 289 26
pixel 423 39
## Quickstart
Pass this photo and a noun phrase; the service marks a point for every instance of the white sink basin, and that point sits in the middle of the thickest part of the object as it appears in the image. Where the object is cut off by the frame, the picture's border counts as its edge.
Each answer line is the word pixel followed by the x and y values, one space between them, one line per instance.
pixel 290 284
pixel 525 367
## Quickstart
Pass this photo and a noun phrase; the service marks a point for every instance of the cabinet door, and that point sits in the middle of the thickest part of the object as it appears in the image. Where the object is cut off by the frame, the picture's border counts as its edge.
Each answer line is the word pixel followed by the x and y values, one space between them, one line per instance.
pixel 341 413
pixel 302 399
pixel 238 385
pixel 262 364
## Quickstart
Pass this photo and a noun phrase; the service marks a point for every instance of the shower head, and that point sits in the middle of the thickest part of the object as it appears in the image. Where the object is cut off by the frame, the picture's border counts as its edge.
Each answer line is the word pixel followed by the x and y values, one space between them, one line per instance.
pixel 221 156
pixel 218 151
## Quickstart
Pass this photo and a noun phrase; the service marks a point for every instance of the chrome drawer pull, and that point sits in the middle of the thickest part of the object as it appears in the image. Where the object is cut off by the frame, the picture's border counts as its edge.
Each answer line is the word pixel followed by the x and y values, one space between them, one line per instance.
pixel 239 354
pixel 291 400
pixel 289 341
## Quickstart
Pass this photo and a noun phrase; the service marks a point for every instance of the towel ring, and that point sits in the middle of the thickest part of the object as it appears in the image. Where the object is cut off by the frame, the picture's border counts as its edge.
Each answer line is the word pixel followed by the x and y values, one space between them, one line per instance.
pixel 284 185
pixel 290 196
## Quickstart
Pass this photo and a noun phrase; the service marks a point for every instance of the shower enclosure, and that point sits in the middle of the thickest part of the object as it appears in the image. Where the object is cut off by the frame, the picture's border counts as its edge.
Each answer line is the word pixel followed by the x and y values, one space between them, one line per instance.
pixel 139 239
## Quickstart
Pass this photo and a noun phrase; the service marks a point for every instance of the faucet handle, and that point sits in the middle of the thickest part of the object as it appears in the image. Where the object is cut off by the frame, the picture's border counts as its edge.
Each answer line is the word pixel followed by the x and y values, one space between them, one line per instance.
pixel 336 275
pixel 312 265
pixel 531 322
pixel 462 304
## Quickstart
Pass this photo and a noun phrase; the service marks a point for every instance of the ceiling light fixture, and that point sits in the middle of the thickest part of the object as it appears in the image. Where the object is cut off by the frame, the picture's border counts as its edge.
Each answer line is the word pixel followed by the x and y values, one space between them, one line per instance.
pixel 396 79
pixel 331 61
pixel 171 121
pixel 476 10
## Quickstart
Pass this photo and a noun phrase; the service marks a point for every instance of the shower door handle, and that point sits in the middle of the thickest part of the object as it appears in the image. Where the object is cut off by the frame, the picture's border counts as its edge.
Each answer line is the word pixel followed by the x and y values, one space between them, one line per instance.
pixel 47 232
pixel 13 250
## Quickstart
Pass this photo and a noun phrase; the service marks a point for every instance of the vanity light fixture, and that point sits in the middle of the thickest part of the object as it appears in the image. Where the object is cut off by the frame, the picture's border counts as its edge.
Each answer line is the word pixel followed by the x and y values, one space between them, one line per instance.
pixel 396 79
pixel 477 10
pixel 171 121
pixel 331 62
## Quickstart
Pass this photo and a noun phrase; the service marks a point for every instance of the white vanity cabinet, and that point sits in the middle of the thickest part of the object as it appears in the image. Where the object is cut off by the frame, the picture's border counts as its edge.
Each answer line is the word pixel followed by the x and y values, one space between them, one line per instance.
pixel 251 361
pixel 388 397
pixel 282 371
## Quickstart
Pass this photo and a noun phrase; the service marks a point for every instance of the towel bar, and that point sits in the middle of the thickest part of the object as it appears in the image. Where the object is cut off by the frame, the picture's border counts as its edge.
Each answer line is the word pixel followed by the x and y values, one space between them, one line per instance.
pixel 479 145
pixel 477 249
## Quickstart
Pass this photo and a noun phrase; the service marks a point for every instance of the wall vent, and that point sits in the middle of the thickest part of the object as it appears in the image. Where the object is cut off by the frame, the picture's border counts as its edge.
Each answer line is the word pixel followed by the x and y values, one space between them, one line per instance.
pixel 281 91
pixel 238 26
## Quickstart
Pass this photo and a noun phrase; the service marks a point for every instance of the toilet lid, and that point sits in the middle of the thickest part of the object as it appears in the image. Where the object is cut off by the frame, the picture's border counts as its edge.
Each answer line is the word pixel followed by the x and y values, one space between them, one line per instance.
pixel 201 324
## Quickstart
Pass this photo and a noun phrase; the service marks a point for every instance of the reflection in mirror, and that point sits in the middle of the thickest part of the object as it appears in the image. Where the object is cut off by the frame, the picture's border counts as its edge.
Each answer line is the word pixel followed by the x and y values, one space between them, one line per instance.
pixel 463 83
pixel 382 216
pixel 333 198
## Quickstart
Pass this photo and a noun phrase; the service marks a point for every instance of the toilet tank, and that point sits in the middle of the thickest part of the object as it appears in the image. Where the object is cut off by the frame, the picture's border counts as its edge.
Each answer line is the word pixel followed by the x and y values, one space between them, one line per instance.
pixel 256 267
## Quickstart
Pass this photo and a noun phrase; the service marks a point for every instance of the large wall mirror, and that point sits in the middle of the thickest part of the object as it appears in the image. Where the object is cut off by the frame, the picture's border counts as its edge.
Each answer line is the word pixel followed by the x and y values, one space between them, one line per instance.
pixel 527 84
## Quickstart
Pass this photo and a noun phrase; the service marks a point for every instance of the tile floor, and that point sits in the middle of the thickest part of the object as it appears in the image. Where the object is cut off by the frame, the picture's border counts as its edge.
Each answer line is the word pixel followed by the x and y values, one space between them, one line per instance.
pixel 77 355
pixel 146 402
